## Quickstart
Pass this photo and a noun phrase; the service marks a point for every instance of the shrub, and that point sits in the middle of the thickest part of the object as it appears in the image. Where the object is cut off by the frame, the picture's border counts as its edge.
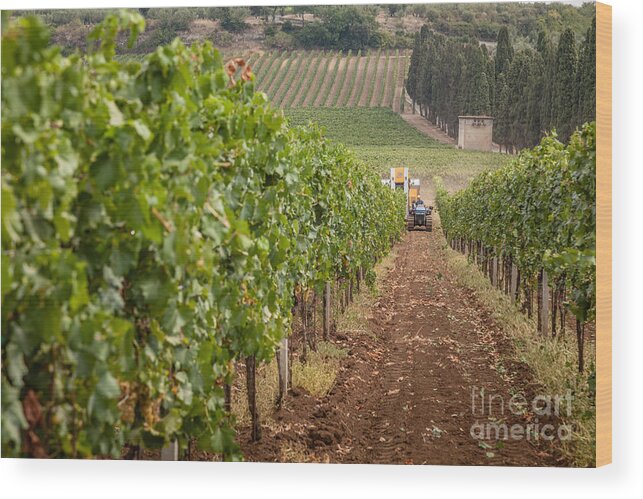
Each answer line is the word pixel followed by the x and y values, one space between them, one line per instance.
pixel 280 40
pixel 315 35
pixel 221 38
pixel 234 18
pixel 270 30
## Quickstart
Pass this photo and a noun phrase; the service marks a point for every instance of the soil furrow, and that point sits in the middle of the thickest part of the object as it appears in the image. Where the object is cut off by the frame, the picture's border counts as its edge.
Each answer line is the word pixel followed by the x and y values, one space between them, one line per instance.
pixel 404 393
pixel 333 73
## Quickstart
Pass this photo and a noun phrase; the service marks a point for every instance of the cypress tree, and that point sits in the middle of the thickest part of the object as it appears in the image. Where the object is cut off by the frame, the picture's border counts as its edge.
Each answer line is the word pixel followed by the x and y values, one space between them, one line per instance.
pixel 504 51
pixel 587 77
pixel 565 85
pixel 501 118
pixel 528 93
pixel 548 64
pixel 482 98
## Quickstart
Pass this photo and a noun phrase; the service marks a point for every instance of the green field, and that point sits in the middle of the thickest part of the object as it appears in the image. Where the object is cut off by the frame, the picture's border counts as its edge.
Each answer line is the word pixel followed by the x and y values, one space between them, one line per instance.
pixel 368 126
pixel 382 139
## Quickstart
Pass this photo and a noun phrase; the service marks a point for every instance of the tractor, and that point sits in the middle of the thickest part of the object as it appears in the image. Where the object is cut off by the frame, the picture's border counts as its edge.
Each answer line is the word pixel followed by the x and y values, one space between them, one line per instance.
pixel 418 214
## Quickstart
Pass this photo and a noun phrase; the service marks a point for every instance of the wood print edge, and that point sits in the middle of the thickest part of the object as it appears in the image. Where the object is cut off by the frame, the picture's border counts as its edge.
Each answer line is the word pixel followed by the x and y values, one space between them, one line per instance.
pixel 603 234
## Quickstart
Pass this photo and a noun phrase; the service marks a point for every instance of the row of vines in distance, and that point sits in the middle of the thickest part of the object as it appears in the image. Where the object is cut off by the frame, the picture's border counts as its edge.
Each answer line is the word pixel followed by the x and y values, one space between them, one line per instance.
pixel 534 221
pixel 373 79
pixel 158 218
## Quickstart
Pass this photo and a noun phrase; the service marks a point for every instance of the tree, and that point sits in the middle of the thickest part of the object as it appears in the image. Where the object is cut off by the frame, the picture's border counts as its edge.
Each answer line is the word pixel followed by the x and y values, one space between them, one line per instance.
pixel 234 18
pixel 504 51
pixel 315 34
pixel 480 104
pixel 565 85
pixel 301 11
pixel 353 27
pixel 548 63
pixel 587 77
pixel 501 119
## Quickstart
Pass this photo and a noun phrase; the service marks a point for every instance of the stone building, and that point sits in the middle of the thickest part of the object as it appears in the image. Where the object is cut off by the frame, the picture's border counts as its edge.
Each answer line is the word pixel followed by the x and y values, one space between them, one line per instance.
pixel 475 133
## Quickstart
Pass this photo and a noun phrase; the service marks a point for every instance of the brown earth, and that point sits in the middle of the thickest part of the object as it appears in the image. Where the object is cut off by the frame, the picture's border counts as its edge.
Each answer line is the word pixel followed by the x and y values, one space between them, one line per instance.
pixel 403 64
pixel 335 80
pixel 311 93
pixel 380 79
pixel 288 80
pixel 392 66
pixel 362 71
pixel 404 393
pixel 281 65
pixel 306 80
pixel 351 67
pixel 369 78
pixel 329 77
pixel 302 64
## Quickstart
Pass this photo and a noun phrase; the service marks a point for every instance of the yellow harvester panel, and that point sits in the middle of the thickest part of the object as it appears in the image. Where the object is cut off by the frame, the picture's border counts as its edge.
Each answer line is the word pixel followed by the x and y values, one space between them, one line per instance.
pixel 414 193
pixel 399 175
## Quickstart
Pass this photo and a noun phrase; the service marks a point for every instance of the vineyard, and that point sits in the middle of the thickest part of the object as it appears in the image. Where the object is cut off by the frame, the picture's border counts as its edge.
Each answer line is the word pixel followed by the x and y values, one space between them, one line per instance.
pixel 381 138
pixel 530 227
pixel 535 220
pixel 159 223
pixel 201 261
pixel 294 79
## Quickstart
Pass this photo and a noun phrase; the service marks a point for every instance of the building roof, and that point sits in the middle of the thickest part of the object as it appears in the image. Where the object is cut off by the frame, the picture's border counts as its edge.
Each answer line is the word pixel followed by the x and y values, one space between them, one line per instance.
pixel 477 117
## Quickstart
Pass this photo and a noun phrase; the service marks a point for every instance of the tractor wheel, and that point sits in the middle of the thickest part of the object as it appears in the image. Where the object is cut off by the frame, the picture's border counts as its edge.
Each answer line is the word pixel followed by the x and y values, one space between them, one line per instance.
pixel 409 223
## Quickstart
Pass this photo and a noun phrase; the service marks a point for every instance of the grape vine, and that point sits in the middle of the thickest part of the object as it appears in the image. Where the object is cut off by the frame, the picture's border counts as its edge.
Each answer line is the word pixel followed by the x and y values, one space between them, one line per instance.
pixel 157 217
pixel 539 214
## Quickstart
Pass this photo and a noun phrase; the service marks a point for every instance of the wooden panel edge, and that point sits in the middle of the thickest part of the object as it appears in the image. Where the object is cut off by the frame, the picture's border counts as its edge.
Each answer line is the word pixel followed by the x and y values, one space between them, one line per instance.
pixel 603 234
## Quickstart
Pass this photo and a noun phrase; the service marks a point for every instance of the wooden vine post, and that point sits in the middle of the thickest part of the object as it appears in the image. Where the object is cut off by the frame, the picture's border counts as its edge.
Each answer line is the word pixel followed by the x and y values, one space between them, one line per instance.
pixel 283 368
pixel 251 371
pixel 514 283
pixel 327 311
pixel 544 304
pixel 171 452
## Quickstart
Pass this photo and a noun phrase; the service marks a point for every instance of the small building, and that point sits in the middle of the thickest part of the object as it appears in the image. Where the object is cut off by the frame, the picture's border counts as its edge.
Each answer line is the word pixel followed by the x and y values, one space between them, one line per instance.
pixel 475 133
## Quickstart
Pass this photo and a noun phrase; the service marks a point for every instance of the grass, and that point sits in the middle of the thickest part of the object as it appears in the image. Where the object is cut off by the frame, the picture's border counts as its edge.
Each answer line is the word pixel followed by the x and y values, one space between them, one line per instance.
pixel 317 375
pixel 267 384
pixel 382 139
pixel 362 126
pixel 552 360
pixel 455 167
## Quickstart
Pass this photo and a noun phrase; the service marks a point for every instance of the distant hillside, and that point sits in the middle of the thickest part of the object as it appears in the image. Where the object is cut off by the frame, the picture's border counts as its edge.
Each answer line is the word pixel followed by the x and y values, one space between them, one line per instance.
pixel 241 29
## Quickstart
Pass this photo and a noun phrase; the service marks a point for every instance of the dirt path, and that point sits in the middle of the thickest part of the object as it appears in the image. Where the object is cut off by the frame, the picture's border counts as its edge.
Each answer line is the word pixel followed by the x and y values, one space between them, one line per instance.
pixel 426 127
pixel 404 393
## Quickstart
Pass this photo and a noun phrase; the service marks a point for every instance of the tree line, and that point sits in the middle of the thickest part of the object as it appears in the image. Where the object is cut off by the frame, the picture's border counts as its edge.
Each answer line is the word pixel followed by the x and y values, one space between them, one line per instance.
pixel 529 92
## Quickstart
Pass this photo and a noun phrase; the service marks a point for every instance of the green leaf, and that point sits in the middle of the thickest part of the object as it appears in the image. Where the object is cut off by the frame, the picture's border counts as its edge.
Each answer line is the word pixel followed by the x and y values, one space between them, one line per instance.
pixel 107 386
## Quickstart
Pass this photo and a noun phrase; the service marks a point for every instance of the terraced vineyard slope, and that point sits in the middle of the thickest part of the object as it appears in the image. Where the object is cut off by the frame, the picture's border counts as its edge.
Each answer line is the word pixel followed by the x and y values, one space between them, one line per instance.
pixel 332 79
